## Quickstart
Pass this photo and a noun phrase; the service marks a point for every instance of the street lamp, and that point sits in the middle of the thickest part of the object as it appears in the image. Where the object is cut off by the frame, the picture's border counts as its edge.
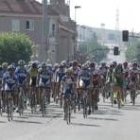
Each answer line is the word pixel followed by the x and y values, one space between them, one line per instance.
pixel 76 7
pixel 75 47
pixel 103 33
pixel 45 30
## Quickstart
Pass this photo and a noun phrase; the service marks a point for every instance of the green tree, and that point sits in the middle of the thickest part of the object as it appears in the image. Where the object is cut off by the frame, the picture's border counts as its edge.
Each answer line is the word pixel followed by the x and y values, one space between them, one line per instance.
pixel 14 46
pixel 94 50
pixel 133 51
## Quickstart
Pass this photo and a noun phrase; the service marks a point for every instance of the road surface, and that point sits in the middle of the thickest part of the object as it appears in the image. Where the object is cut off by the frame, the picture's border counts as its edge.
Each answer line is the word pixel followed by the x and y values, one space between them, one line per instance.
pixel 108 123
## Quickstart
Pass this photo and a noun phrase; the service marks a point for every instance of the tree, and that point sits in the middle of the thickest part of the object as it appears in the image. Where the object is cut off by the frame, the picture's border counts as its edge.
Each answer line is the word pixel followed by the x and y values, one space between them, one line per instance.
pixel 14 46
pixel 94 50
pixel 133 51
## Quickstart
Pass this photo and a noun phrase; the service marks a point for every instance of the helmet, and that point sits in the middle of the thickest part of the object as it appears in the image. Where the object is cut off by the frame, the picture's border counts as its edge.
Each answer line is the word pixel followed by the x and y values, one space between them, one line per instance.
pixel 43 65
pixel 61 66
pixel 21 62
pixel 11 68
pixel 84 67
pixel 92 64
pixel 103 64
pixel 125 63
pixel 135 64
pixel 88 63
pixel 34 65
pixel 64 63
pixel 119 68
pixel 4 65
pixel 114 63
pixel 75 63
pixel 56 65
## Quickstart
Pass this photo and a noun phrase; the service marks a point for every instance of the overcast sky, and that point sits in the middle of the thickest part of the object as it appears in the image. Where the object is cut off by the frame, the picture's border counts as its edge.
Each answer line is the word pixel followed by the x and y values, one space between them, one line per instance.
pixel 95 12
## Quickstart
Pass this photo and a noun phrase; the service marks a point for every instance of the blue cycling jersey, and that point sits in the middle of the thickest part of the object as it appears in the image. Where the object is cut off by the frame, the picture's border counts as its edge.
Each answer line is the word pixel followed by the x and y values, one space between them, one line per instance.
pixel 21 74
pixel 60 74
pixel 9 81
pixel 84 75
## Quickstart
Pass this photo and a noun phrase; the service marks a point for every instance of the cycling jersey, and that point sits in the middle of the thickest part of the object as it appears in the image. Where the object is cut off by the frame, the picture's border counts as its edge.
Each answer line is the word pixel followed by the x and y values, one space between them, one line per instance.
pixel 9 81
pixel 60 74
pixel 33 72
pixel 118 77
pixel 84 75
pixel 67 86
pixel 21 74
pixel 96 78
pixel 45 79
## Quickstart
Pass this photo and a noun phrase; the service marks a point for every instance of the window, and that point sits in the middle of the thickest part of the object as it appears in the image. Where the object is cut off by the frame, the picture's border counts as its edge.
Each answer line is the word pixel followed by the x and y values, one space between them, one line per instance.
pixel 53 30
pixel 30 25
pixel 15 25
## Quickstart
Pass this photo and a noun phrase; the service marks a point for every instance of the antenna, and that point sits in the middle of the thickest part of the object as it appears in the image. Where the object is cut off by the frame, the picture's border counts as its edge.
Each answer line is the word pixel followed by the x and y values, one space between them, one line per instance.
pixel 117 19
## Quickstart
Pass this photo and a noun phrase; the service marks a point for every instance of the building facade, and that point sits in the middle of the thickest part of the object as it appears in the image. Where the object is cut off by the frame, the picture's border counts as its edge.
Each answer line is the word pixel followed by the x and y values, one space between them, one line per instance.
pixel 25 16
pixel 104 36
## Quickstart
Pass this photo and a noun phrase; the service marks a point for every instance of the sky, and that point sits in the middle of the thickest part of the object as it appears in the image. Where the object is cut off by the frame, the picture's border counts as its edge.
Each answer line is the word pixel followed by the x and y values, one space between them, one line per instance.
pixel 95 12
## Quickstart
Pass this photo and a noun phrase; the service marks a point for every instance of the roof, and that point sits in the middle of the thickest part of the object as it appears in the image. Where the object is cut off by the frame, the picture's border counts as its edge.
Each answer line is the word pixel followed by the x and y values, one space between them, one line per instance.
pixel 23 7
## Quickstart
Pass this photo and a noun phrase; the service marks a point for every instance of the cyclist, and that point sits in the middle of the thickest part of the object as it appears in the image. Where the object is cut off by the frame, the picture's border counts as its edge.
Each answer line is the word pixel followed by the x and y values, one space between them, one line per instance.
pixel 126 79
pixel 44 79
pixel 92 67
pixel 68 89
pixel 84 75
pixel 134 78
pixel 60 73
pixel 54 81
pixel 21 73
pixel 104 76
pixel 22 78
pixel 3 71
pixel 33 73
pixel 9 84
pixel 119 83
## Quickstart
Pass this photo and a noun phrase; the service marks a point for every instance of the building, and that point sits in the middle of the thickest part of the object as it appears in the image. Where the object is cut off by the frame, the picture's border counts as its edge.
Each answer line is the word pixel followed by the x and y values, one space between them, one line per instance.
pixel 107 37
pixel 104 36
pixel 64 40
pixel 25 16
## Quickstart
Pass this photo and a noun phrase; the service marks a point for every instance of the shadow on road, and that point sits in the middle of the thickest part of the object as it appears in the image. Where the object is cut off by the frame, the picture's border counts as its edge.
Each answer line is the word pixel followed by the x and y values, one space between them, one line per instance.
pixel 29 122
pixel 82 124
pixel 131 108
pixel 2 122
pixel 104 119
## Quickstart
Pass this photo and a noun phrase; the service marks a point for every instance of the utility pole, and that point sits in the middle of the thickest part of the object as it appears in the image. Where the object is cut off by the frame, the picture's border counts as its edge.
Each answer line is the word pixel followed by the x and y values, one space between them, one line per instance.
pixel 45 30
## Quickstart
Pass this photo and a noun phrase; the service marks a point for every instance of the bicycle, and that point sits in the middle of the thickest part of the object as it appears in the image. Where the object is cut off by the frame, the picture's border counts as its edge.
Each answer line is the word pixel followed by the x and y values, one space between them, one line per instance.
pixel 94 98
pixel 0 104
pixel 67 109
pixel 33 100
pixel 133 93
pixel 85 104
pixel 9 105
pixel 21 100
pixel 45 95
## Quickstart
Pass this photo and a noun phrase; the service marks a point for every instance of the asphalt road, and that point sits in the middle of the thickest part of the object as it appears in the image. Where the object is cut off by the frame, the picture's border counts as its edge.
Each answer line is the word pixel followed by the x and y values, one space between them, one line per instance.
pixel 108 123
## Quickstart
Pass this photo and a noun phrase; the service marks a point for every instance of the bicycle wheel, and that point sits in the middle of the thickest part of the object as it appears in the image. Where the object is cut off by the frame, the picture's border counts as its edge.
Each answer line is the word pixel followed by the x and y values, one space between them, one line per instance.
pixel 69 114
pixel 85 108
pixel 33 102
pixel 9 108
pixel 119 100
pixel 21 103
pixel 43 104
pixel 133 96
pixel 0 105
